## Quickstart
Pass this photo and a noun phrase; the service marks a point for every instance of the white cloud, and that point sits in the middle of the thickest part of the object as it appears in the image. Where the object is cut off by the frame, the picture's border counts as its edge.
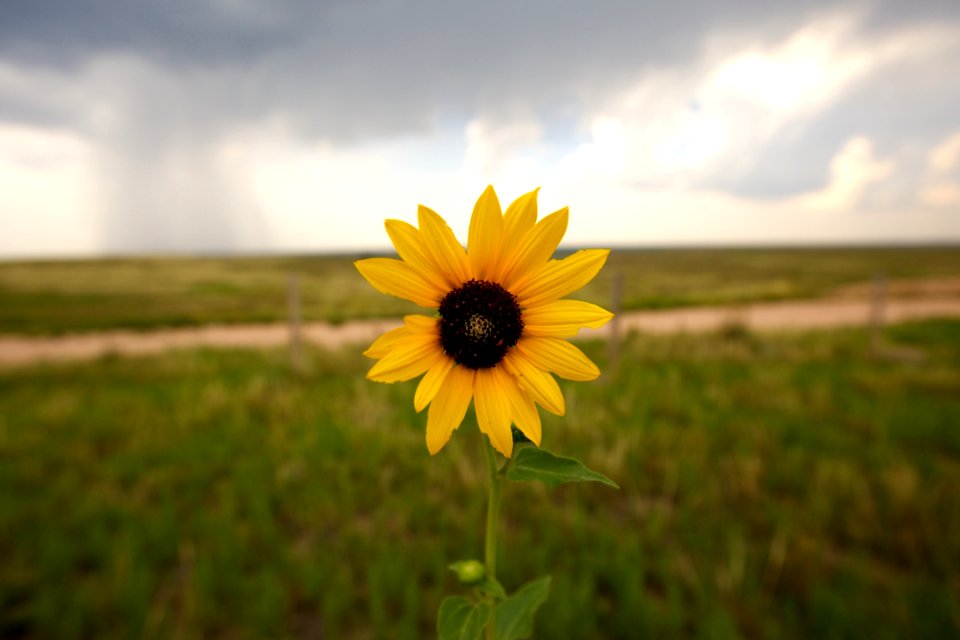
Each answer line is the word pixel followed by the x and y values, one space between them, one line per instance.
pixel 606 154
pixel 941 188
pixel 851 171
pixel 945 157
pixel 316 195
pixel 49 200
pixel 941 195
pixel 709 123
pixel 684 125
pixel 507 153
pixel 808 70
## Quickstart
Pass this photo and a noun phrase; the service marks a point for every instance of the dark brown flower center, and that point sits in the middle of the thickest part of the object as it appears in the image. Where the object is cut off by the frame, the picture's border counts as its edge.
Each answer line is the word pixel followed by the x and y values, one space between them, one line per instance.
pixel 479 321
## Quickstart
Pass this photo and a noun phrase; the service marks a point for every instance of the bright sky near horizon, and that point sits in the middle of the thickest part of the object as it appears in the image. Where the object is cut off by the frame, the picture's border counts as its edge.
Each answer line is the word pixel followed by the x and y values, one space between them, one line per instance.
pixel 235 125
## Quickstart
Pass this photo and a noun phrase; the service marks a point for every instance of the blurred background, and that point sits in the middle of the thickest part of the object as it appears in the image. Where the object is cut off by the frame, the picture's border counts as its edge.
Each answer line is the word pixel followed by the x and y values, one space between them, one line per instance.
pixel 188 447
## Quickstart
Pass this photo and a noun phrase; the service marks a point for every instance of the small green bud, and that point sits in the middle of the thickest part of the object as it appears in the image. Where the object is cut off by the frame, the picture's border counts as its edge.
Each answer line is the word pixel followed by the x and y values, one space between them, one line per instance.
pixel 469 572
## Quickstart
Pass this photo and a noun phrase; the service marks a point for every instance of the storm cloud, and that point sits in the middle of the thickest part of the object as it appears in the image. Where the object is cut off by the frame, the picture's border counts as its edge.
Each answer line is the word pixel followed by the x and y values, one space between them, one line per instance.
pixel 218 125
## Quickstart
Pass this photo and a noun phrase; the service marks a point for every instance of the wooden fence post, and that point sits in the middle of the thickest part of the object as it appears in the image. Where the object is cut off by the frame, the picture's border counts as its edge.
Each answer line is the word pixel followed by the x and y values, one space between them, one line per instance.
pixel 293 315
pixel 616 303
pixel 878 305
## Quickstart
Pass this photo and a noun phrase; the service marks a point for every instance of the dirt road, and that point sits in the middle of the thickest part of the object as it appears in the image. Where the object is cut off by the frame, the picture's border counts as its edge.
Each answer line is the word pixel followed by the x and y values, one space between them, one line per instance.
pixel 848 310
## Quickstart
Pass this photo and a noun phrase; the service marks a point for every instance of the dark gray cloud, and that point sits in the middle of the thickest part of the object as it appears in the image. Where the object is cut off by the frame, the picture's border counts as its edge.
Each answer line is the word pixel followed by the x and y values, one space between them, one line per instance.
pixel 349 70
pixel 345 70
pixel 182 32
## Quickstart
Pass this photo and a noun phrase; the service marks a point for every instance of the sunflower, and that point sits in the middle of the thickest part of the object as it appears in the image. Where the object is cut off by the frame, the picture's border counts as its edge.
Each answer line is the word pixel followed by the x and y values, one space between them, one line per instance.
pixel 499 326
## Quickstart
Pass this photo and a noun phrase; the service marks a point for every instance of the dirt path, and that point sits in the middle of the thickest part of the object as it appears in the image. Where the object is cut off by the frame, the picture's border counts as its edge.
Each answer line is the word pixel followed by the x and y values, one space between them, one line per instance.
pixel 794 315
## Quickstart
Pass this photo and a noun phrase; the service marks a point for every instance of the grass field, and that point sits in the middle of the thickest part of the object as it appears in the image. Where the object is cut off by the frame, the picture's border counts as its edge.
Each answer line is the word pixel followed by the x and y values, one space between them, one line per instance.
pixel 57 297
pixel 771 487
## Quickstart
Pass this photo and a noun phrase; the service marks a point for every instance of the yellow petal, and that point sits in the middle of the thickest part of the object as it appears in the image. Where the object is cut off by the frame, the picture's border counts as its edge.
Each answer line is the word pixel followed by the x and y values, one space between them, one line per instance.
pixel 536 247
pixel 430 383
pixel 421 324
pixel 382 345
pixel 559 357
pixel 539 384
pixel 485 236
pixel 441 245
pixel 521 405
pixel 563 318
pixel 407 359
pixel 449 407
pixel 518 220
pixel 557 278
pixel 399 279
pixel 520 216
pixel 408 242
pixel 493 410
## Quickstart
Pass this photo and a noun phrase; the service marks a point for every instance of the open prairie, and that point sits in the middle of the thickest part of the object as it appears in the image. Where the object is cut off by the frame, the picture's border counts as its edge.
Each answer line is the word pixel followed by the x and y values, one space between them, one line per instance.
pixel 144 293
pixel 794 485
pixel 773 483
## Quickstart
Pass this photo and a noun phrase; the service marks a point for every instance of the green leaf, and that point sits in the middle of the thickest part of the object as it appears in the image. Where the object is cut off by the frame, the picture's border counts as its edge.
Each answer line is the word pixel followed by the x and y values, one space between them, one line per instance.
pixel 460 619
pixel 531 463
pixel 514 618
pixel 492 588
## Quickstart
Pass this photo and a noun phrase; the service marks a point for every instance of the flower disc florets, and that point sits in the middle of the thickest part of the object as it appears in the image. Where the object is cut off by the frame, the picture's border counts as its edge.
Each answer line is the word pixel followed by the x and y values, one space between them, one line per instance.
pixel 479 321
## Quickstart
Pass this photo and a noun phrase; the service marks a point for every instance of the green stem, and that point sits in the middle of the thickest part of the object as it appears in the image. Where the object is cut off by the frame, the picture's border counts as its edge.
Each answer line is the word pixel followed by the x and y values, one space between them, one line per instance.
pixel 493 518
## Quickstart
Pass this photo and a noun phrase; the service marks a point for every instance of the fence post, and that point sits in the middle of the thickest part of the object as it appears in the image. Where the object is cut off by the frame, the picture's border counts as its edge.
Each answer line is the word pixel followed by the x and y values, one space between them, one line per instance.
pixel 293 316
pixel 878 305
pixel 616 300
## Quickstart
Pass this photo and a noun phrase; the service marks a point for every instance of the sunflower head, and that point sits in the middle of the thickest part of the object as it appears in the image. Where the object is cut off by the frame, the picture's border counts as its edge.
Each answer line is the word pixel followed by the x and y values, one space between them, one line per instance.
pixel 497 333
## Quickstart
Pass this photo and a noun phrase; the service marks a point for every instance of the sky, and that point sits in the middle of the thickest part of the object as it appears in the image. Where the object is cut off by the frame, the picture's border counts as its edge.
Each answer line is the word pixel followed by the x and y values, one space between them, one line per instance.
pixel 235 126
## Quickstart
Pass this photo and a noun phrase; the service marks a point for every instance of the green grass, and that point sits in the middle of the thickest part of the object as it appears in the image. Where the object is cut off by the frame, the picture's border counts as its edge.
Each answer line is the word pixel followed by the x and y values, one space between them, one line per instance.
pixel 143 293
pixel 771 486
